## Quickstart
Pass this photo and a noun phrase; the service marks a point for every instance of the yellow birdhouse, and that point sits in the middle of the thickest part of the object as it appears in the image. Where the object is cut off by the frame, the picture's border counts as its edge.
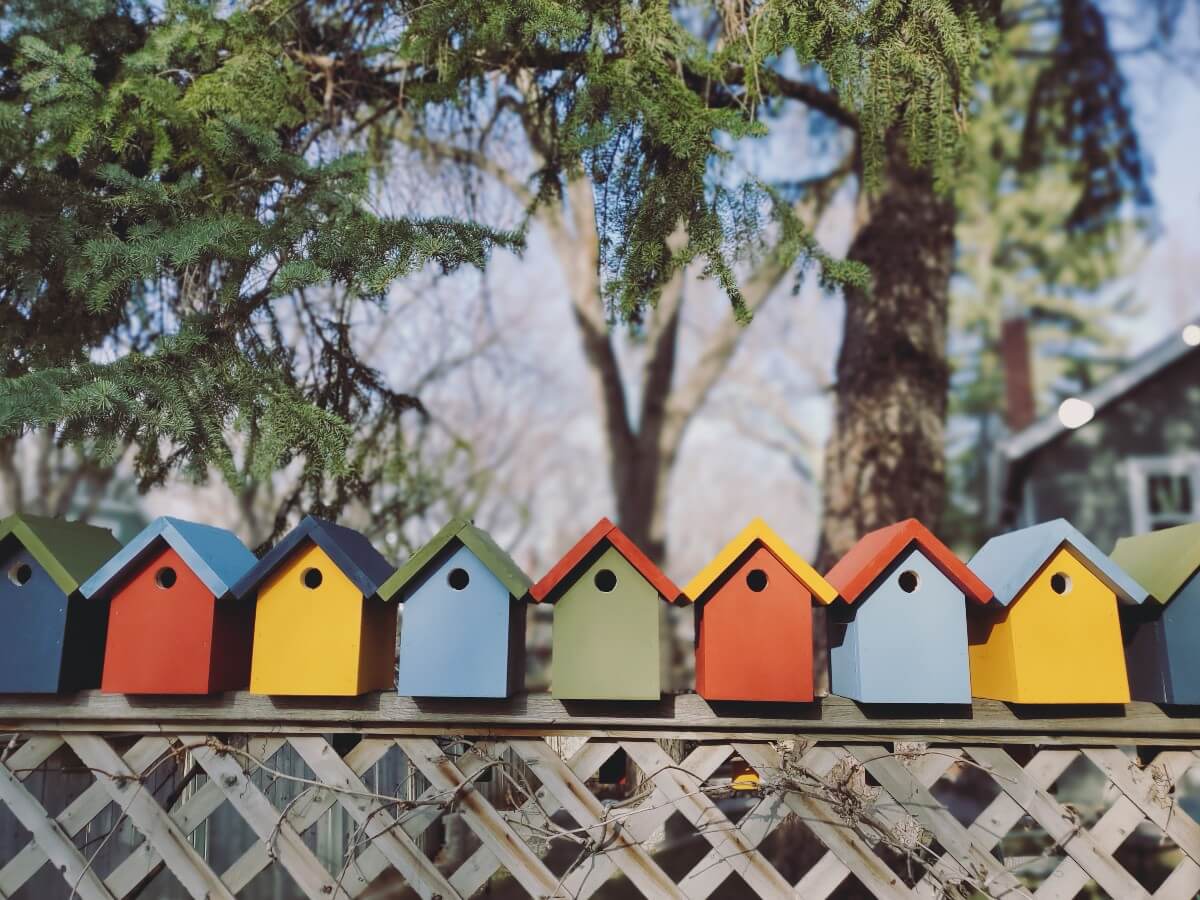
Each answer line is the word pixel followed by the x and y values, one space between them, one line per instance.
pixel 1052 635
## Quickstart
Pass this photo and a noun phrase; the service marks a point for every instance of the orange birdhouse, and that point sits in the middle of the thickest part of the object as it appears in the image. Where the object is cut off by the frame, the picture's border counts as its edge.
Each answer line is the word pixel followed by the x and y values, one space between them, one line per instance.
pixel 754 620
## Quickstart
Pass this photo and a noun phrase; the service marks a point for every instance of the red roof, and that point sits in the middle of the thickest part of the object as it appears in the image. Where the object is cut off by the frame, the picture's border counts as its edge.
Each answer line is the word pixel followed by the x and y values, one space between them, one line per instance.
pixel 865 562
pixel 604 530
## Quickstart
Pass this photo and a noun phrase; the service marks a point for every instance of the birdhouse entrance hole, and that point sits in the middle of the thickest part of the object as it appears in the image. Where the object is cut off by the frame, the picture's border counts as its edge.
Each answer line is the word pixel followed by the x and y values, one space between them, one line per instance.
pixel 909 581
pixel 1060 583
pixel 20 574
pixel 165 577
pixel 756 580
pixel 312 578
pixel 605 580
pixel 458 579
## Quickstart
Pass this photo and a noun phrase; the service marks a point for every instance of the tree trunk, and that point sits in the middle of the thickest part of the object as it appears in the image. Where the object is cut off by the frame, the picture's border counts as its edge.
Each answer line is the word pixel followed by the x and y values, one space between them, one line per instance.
pixel 885 459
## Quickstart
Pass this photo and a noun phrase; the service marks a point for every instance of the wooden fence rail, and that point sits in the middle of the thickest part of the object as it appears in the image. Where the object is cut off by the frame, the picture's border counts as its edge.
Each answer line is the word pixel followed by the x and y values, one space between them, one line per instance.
pixel 111 797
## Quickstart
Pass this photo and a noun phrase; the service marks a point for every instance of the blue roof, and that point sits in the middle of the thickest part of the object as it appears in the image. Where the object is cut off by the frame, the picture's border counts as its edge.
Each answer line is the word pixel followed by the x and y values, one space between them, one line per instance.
pixel 1008 562
pixel 350 551
pixel 214 555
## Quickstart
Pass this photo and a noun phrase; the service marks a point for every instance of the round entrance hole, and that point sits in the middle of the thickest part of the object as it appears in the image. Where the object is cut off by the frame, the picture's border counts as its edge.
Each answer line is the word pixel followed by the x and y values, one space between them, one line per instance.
pixel 605 580
pixel 165 577
pixel 458 579
pixel 908 581
pixel 1060 583
pixel 312 578
pixel 756 580
pixel 20 574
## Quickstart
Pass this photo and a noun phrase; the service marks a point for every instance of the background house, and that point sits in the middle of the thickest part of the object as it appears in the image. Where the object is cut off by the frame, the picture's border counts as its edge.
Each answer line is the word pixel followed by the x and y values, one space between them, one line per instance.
pixel 1130 464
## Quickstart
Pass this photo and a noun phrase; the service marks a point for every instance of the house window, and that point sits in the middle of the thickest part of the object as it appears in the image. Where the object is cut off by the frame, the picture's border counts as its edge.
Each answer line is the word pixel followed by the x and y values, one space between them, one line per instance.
pixel 1164 491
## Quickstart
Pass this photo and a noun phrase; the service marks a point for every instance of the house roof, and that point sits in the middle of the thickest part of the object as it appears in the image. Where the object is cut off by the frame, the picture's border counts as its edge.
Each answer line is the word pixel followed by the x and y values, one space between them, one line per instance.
pixel 214 555
pixel 857 571
pixel 759 532
pixel 604 530
pixel 350 551
pixel 1161 561
pixel 68 551
pixel 1167 351
pixel 478 541
pixel 1008 562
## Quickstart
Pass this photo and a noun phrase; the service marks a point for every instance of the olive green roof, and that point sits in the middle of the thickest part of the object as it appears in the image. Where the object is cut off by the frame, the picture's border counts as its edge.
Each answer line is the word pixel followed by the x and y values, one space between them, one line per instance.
pixel 69 551
pixel 478 541
pixel 1161 561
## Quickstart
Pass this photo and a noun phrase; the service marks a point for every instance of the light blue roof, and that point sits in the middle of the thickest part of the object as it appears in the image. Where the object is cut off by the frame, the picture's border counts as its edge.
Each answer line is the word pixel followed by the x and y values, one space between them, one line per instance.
pixel 216 556
pixel 1008 562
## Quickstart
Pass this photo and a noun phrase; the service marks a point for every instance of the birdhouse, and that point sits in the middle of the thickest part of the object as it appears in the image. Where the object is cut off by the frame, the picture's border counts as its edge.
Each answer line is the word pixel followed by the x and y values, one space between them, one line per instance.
pixel 899 633
pixel 1053 634
pixel 173 626
pixel 606 596
pixel 463 631
pixel 753 606
pixel 1161 637
pixel 320 628
pixel 52 638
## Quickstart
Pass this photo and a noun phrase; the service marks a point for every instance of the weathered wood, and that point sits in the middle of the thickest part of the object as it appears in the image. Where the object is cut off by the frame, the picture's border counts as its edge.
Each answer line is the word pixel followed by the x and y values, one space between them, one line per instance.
pixel 51 839
pixel 681 716
pixel 422 875
pixel 148 817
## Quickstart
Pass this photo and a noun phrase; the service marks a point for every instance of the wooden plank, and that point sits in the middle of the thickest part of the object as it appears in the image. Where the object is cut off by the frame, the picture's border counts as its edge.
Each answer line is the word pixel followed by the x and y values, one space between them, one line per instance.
pixel 675 716
pixel 739 853
pixel 642 822
pixel 148 817
pixel 976 861
pixel 76 816
pixel 302 817
pixel 997 819
pixel 1061 825
pixel 481 817
pixel 828 827
pixel 829 872
pixel 481 865
pixel 57 846
pixel 422 875
pixel 31 754
pixel 1182 884
pixel 1138 786
pixel 623 849
pixel 264 819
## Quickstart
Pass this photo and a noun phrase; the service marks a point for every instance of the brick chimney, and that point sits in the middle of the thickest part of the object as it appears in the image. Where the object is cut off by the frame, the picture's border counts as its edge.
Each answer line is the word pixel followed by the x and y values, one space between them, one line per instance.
pixel 1020 410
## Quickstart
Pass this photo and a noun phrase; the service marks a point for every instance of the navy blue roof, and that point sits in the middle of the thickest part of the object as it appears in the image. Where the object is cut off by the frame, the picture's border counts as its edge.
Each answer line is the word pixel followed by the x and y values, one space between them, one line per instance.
pixel 350 551
pixel 216 556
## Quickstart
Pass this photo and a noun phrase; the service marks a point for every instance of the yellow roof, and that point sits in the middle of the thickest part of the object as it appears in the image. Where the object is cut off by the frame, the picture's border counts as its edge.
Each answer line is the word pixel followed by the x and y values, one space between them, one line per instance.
pixel 760 531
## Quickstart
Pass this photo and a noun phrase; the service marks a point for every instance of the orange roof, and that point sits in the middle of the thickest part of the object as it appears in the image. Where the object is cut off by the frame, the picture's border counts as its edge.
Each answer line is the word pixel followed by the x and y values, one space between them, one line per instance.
pixel 865 562
pixel 604 530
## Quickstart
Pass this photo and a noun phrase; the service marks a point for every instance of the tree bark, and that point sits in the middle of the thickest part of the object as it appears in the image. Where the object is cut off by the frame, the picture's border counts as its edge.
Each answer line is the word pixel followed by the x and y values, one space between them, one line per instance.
pixel 885 459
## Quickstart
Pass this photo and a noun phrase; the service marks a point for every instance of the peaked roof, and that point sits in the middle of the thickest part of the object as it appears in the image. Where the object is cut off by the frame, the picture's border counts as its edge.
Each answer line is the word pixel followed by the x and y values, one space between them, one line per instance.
pixel 1161 561
pixel 350 551
pixel 1008 562
pixel 478 541
pixel 68 551
pixel 760 532
pixel 857 571
pixel 1167 351
pixel 214 555
pixel 604 530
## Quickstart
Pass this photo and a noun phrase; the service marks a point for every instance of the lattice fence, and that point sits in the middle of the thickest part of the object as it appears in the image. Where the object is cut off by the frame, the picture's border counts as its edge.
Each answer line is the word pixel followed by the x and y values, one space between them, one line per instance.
pixel 550 817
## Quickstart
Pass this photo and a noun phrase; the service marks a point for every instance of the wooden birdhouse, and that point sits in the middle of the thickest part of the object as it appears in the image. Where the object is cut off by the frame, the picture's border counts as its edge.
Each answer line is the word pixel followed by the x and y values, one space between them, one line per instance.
pixel 52 637
pixel 174 627
pixel 1053 634
pixel 463 630
pixel 899 634
pixel 1161 638
pixel 753 606
pixel 606 595
pixel 320 628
